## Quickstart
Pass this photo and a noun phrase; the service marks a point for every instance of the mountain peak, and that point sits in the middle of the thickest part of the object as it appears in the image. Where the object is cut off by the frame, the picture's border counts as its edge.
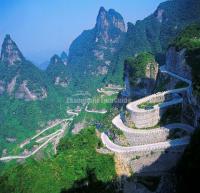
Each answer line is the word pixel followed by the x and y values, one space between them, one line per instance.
pixel 7 36
pixel 10 53
pixel 102 10
pixel 114 13
pixel 108 23
pixel 64 57
pixel 55 59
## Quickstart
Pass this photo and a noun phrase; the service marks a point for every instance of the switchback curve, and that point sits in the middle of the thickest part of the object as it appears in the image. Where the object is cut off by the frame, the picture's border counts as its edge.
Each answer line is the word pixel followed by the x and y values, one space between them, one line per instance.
pixel 133 106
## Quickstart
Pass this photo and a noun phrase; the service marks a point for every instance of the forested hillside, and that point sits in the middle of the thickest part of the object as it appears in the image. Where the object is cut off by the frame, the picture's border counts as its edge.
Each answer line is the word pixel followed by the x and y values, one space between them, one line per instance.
pixel 189 39
pixel 91 54
pixel 155 32
pixel 76 160
pixel 29 97
pixel 188 167
pixel 28 100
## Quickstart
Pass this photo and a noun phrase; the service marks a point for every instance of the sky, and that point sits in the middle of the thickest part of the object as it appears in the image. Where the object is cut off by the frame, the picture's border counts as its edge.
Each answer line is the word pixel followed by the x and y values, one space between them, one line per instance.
pixel 42 28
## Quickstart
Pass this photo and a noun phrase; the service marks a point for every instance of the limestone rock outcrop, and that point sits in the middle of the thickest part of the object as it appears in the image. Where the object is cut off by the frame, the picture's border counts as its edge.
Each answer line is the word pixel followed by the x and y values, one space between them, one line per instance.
pixel 176 62
pixel 142 85
pixel 91 54
pixel 57 70
pixel 19 78
pixel 107 23
pixel 10 53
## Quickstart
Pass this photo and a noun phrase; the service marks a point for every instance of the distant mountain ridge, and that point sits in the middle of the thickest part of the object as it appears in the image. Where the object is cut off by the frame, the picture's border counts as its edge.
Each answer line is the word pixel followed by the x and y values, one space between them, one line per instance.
pixel 91 54
pixel 96 57
pixel 156 31
pixel 99 53
pixel 10 53
pixel 20 78
pixel 57 70
pixel 28 100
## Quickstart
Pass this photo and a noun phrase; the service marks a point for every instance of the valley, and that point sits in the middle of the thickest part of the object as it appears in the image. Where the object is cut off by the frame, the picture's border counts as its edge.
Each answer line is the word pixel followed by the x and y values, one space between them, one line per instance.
pixel 118 113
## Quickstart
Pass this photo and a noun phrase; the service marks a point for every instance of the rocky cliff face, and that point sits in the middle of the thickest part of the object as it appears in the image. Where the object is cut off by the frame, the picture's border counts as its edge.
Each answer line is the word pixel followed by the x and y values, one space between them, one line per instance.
pixel 184 58
pixel 140 75
pixel 91 54
pixel 64 58
pixel 145 86
pixel 176 62
pixel 19 78
pixel 155 32
pixel 57 70
pixel 109 26
pixel 10 54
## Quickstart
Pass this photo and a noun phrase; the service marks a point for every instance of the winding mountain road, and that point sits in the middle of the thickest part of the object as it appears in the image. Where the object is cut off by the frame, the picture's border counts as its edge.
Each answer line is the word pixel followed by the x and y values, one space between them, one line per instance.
pixel 48 137
pixel 8 158
pixel 38 134
pixel 95 111
pixel 155 146
pixel 117 122
pixel 143 148
pixel 72 113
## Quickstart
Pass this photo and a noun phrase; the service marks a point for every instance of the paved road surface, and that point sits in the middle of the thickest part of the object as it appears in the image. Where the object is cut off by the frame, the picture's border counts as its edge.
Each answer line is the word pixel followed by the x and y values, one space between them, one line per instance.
pixel 50 138
pixel 120 125
pixel 95 111
pixel 8 158
pixel 156 146
pixel 143 148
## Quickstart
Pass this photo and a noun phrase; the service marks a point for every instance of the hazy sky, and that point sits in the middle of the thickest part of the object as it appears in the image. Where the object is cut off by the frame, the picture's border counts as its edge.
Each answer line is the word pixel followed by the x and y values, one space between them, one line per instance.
pixel 42 28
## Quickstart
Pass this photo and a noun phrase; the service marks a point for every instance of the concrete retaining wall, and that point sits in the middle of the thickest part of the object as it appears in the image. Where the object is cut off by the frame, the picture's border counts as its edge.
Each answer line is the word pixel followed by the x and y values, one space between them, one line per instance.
pixel 144 118
pixel 149 138
pixel 148 118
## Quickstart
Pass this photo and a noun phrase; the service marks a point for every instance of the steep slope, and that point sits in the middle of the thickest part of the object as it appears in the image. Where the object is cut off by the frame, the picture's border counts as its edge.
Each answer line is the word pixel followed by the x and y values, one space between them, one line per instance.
pixel 91 54
pixel 27 98
pixel 76 159
pixel 19 78
pixel 189 42
pixel 57 70
pixel 189 168
pixel 140 74
pixel 155 32
pixel 99 53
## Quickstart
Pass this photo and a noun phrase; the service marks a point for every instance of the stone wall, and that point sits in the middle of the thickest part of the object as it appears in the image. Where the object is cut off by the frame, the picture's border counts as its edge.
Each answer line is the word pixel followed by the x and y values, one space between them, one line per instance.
pixel 147 138
pixel 144 118
pixel 148 118
pixel 156 162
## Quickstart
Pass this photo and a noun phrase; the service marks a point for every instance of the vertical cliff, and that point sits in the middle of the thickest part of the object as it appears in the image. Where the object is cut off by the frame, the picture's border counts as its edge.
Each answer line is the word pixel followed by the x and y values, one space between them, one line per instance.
pixel 57 70
pixel 182 58
pixel 91 54
pixel 156 31
pixel 19 78
pixel 140 74
pixel 176 62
